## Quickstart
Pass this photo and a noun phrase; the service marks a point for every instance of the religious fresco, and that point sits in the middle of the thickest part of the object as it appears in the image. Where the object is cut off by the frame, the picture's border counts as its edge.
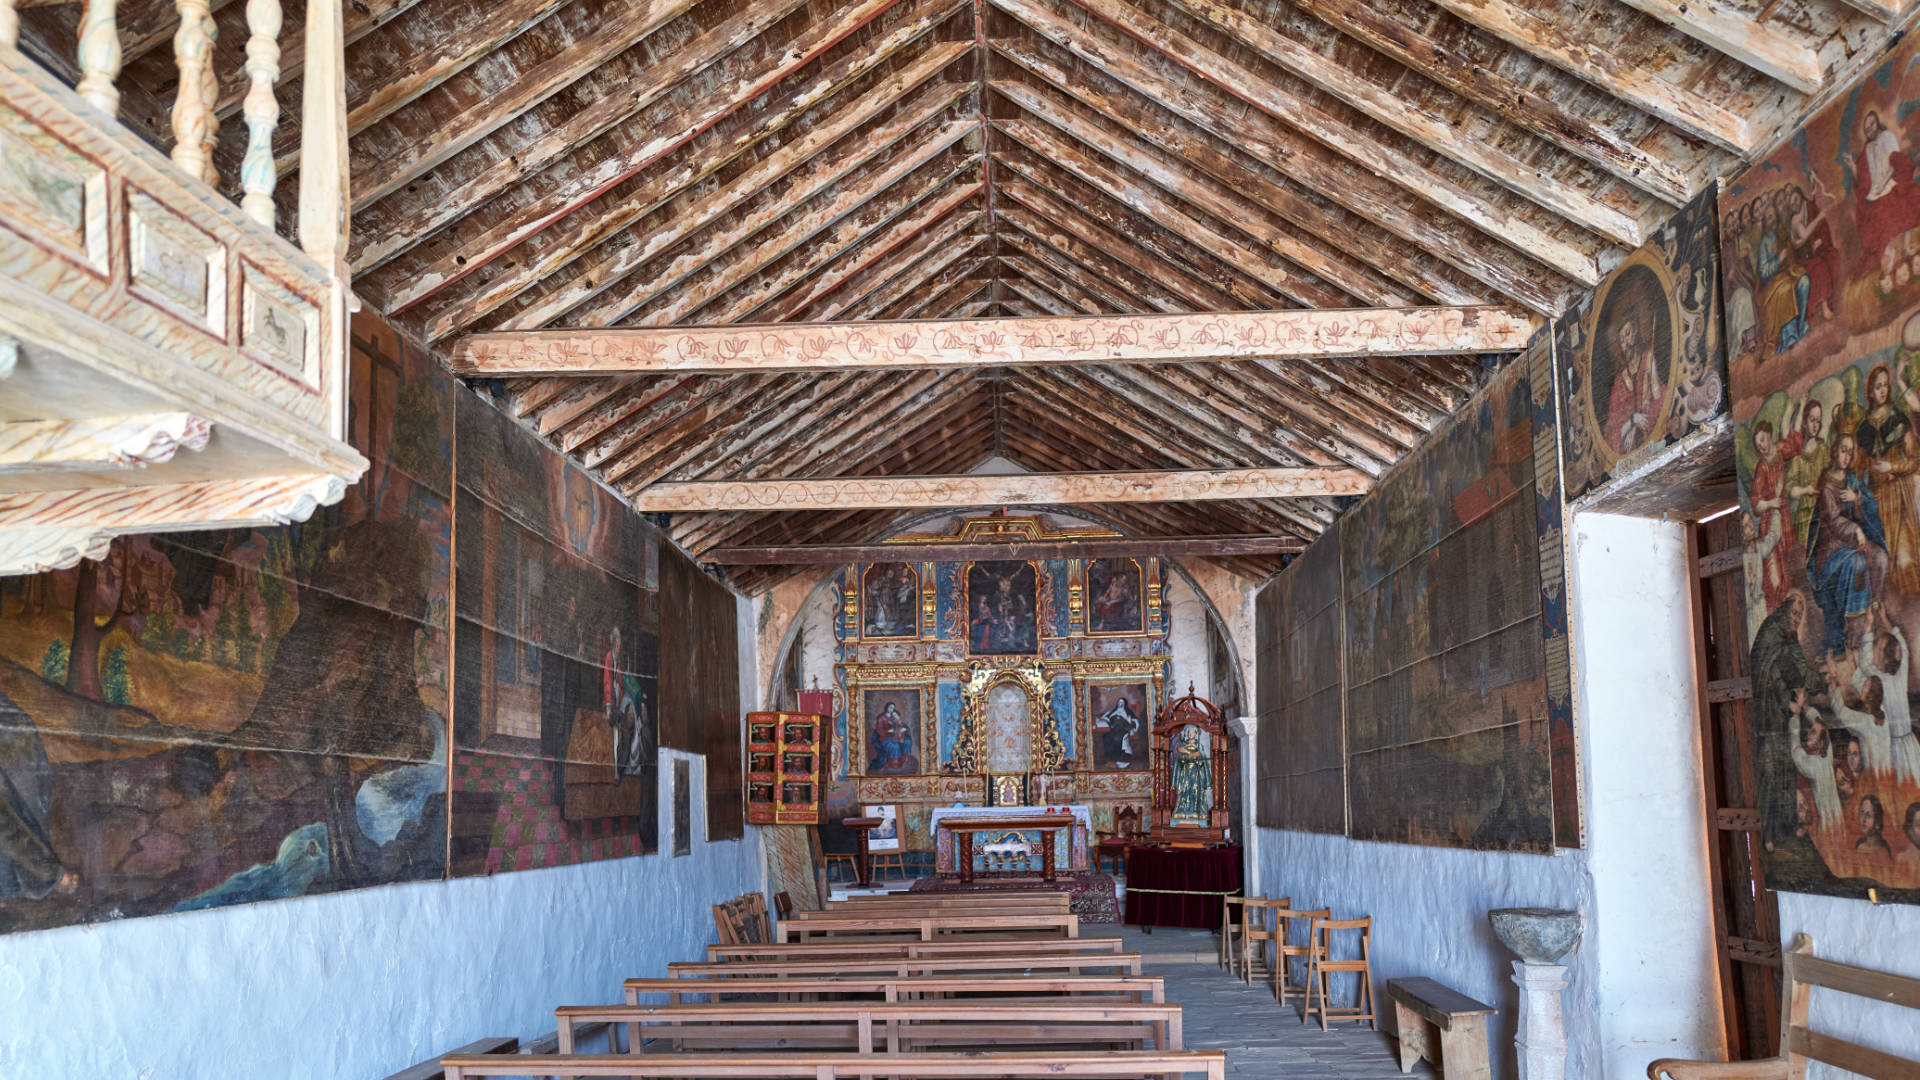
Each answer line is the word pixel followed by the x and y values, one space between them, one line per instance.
pixel 212 718
pixel 1300 639
pixel 549 691
pixel 890 601
pixel 1447 731
pixel 1003 609
pixel 1824 377
pixel 1115 604
pixel 1640 362
pixel 892 721
pixel 1121 714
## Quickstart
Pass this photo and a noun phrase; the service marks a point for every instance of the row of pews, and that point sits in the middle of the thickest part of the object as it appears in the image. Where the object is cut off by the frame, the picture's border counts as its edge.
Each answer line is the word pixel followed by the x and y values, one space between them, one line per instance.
pixel 904 986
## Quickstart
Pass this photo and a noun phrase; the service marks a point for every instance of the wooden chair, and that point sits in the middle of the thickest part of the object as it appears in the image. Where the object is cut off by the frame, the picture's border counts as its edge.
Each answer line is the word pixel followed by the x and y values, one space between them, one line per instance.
pixel 1286 952
pixel 1114 845
pixel 1229 934
pixel 1256 929
pixel 1320 964
pixel 1801 971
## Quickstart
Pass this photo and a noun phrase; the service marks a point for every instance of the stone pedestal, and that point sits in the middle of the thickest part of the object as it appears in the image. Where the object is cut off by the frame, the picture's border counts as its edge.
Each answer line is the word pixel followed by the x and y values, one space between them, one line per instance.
pixel 1244 729
pixel 1541 1042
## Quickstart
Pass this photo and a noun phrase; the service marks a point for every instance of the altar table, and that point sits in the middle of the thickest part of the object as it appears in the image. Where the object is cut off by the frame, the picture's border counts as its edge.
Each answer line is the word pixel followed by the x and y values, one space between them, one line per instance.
pixel 1180 886
pixel 1073 857
pixel 1045 824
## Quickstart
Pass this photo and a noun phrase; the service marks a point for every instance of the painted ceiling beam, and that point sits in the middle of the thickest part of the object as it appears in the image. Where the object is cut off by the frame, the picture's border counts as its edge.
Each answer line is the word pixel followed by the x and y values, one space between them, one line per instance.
pixel 1763 48
pixel 1022 489
pixel 1112 547
pixel 1305 334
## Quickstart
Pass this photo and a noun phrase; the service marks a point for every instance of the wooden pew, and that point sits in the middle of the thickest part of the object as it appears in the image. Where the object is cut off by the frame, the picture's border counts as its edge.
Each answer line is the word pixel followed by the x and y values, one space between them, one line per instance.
pixel 1064 963
pixel 996 907
pixel 895 1027
pixel 1150 989
pixel 1034 897
pixel 433 1070
pixel 1111 1065
pixel 929 928
pixel 977 945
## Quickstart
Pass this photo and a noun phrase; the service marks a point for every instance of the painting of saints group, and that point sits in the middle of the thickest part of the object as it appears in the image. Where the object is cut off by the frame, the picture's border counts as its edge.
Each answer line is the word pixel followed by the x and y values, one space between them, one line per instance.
pixel 1822 265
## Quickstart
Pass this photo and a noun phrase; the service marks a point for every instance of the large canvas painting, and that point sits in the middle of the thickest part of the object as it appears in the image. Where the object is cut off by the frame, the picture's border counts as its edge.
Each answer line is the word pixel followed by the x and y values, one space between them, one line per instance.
pixel 1822 253
pixel 552 696
pixel 890 601
pixel 892 717
pixel 212 718
pixel 1640 362
pixel 1446 718
pixel 1302 755
pixel 1003 609
pixel 1121 714
pixel 1114 602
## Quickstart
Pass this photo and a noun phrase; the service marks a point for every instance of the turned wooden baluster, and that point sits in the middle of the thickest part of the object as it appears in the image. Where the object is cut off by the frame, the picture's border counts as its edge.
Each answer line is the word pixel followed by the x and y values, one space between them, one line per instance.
pixel 261 109
pixel 100 56
pixel 193 119
pixel 10 23
pixel 323 183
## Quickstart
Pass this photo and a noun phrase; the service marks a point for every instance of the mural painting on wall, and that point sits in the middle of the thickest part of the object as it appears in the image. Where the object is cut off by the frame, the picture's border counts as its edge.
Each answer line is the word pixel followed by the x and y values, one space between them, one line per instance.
pixel 1441 570
pixel 1825 374
pixel 890 601
pixel 1114 604
pixel 553 698
pixel 892 718
pixel 205 719
pixel 1120 713
pixel 1640 363
pixel 1003 609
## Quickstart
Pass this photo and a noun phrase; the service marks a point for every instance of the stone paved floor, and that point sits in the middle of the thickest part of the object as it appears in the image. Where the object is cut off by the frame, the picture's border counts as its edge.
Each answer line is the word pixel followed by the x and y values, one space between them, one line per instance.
pixel 1262 1038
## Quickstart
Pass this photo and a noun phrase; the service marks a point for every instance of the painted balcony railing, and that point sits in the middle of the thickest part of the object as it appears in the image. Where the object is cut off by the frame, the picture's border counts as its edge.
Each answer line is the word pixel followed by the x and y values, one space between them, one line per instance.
pixel 167 360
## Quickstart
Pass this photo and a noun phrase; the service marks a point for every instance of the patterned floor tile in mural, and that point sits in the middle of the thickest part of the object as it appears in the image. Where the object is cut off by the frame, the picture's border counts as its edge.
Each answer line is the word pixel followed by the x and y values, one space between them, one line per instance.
pixel 528 830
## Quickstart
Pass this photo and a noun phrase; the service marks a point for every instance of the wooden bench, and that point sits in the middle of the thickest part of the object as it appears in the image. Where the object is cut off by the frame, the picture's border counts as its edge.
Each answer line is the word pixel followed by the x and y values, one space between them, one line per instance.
pixel 895 1027
pixel 976 945
pixel 1799 1044
pixel 1069 963
pixel 1142 988
pixel 1036 898
pixel 902 910
pixel 1111 1065
pixel 929 928
pixel 1457 1042
pixel 433 1070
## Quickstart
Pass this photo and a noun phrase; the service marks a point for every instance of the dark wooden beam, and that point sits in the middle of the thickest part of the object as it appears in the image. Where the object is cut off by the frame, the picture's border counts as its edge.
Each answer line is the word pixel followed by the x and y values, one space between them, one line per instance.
pixel 1184 547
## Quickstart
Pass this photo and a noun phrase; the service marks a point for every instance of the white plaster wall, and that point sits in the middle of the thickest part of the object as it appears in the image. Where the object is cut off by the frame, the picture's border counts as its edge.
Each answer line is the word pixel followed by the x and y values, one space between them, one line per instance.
pixel 1882 936
pixel 356 985
pixel 1187 639
pixel 1650 926
pixel 1429 908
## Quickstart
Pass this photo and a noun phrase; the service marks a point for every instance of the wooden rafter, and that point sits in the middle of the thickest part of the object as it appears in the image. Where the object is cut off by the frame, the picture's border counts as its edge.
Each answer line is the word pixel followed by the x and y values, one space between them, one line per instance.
pixel 1020 489
pixel 1133 339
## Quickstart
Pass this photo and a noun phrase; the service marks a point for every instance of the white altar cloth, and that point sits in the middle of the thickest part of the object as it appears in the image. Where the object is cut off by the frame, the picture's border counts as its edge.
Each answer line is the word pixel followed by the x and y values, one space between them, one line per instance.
pixel 1072 856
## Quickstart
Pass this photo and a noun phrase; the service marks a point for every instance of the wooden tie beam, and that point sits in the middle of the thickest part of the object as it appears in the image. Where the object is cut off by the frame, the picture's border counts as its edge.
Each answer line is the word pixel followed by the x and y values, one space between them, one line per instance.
pixel 1019 489
pixel 835 554
pixel 1300 334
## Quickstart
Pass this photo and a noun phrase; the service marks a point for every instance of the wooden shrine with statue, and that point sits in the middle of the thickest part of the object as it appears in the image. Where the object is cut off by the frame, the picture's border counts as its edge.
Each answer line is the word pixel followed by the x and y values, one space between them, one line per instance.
pixel 1192 767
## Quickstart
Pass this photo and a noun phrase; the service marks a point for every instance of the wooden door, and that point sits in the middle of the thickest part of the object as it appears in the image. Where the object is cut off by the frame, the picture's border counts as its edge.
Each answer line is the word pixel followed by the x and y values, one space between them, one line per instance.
pixel 1745 915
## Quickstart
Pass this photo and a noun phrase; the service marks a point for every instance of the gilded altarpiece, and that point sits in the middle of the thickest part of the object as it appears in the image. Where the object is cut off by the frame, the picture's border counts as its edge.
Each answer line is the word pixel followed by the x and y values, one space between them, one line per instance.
pixel 952 676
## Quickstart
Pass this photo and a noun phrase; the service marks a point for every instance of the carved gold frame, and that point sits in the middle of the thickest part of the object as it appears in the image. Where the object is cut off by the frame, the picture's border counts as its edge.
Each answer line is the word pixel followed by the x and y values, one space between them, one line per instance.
pixel 1049 753
pixel 924 678
pixel 918 590
pixel 1139 577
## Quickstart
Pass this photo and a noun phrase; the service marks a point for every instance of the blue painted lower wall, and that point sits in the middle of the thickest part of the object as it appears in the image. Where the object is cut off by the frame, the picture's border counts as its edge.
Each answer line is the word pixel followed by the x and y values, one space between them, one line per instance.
pixel 356 985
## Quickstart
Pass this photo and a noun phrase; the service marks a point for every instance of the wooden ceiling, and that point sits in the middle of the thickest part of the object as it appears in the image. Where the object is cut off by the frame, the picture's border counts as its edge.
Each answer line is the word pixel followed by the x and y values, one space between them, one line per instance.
pixel 520 164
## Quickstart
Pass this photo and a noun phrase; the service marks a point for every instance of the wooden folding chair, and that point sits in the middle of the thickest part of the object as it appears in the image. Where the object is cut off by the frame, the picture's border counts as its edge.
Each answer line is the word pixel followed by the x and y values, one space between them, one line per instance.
pixel 1285 952
pixel 1255 930
pixel 1229 934
pixel 1320 964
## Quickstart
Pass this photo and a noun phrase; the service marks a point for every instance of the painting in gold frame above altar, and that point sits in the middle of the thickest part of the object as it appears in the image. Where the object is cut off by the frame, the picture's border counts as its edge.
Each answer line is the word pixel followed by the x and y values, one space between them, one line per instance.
pixel 890 601
pixel 1003 608
pixel 1119 720
pixel 892 723
pixel 1115 597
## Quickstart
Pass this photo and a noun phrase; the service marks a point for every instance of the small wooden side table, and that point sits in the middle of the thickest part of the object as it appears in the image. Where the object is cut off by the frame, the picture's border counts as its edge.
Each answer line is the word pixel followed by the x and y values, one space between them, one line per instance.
pixel 863 865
